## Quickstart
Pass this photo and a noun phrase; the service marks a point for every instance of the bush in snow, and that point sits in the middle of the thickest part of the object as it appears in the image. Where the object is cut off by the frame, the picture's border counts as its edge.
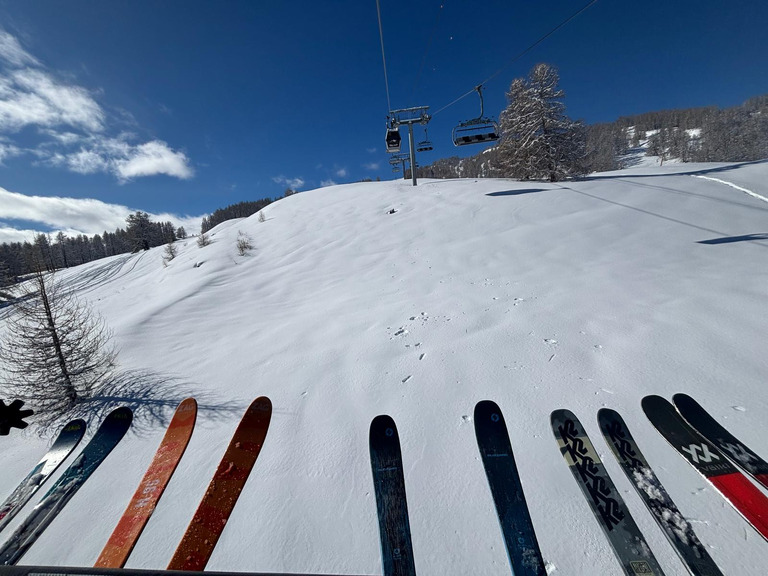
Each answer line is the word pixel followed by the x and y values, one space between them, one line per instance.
pixel 244 243
pixel 203 240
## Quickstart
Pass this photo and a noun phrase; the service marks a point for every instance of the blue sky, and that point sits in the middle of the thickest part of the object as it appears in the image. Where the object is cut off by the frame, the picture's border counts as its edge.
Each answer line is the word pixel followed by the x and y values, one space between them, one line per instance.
pixel 181 107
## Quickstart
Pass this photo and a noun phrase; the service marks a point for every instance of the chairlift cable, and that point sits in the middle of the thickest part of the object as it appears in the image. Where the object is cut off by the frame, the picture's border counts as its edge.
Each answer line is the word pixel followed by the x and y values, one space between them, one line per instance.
pixel 383 57
pixel 520 55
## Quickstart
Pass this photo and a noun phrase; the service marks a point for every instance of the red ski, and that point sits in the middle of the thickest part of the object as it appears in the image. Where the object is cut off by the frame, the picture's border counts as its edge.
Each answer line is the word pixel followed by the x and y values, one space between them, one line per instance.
pixel 207 524
pixel 709 462
pixel 151 488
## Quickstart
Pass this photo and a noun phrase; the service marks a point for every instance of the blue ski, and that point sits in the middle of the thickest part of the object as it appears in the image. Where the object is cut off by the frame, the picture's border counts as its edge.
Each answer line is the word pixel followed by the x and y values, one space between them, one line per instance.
pixel 392 509
pixel 68 439
pixel 110 432
pixel 511 508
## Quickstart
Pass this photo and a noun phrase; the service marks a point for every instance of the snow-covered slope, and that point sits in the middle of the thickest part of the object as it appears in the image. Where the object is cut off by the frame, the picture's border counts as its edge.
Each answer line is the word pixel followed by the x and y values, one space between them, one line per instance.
pixel 539 296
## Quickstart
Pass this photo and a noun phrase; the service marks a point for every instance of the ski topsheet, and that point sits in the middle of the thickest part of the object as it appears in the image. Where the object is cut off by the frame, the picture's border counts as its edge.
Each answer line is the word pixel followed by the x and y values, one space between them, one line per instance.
pixel 607 505
pixel 110 432
pixel 391 506
pixel 709 462
pixel 68 439
pixel 208 523
pixel 675 527
pixel 734 448
pixel 507 491
pixel 144 501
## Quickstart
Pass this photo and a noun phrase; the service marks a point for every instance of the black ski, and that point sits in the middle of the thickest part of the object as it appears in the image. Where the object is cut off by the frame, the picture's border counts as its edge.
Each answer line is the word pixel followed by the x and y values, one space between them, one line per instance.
pixel 675 527
pixel 389 485
pixel 504 481
pixel 734 448
pixel 68 439
pixel 110 432
pixel 609 509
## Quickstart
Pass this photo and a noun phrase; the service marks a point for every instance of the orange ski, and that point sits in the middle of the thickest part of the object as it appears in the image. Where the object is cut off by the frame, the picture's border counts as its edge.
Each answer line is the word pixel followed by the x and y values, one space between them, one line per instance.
pixel 135 517
pixel 207 524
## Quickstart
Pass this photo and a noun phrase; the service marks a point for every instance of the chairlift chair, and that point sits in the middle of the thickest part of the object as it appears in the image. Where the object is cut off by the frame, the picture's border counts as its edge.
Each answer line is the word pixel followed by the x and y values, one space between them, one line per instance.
pixel 425 145
pixel 477 130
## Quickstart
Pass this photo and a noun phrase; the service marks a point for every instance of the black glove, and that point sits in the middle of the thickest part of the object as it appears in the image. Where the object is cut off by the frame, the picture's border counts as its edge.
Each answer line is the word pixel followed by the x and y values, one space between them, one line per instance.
pixel 12 416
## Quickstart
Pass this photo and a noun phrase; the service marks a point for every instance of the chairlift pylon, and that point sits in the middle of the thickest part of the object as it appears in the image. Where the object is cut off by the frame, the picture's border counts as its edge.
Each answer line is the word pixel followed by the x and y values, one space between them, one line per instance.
pixel 477 130
pixel 393 136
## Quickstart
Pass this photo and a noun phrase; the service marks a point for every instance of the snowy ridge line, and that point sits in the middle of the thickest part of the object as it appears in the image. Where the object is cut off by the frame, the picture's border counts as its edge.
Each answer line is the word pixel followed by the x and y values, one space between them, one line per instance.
pixel 76 571
pixel 732 185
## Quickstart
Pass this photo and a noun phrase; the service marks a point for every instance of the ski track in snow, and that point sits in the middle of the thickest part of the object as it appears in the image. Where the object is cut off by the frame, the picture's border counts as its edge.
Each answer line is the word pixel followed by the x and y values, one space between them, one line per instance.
pixel 732 185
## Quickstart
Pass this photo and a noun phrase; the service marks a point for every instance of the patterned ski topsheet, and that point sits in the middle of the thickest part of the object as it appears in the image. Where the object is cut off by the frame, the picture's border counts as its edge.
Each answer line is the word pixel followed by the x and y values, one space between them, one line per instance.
pixel 107 436
pixel 67 441
pixel 151 488
pixel 709 462
pixel 676 528
pixel 507 490
pixel 609 509
pixel 391 506
pixel 731 446
pixel 211 517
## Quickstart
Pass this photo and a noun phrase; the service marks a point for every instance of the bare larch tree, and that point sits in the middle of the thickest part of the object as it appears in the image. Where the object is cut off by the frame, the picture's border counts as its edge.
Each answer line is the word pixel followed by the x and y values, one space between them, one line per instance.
pixel 55 351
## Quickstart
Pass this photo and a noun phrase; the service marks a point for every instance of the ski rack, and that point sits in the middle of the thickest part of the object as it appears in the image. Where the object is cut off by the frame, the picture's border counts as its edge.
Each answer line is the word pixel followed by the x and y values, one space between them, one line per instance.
pixel 77 571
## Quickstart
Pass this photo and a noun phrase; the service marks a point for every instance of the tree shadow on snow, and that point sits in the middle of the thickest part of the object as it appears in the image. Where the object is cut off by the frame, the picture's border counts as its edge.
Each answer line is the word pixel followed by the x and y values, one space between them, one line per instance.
pixel 731 239
pixel 153 398
pixel 517 192
pixel 682 172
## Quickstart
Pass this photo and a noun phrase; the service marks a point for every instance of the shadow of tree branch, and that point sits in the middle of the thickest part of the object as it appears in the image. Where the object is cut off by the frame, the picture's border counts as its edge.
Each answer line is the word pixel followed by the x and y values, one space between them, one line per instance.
pixel 151 396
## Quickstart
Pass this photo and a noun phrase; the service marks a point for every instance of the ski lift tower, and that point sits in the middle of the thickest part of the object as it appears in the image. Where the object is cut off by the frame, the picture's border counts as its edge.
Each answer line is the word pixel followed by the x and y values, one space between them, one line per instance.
pixel 409 117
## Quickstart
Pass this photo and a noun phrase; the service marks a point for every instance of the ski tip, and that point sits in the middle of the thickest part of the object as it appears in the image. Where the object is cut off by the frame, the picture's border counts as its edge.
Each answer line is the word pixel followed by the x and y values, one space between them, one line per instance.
pixel 383 426
pixel 261 404
pixel 488 410
pixel 187 404
pixel 121 413
pixel 652 403
pixel 606 414
pixel 561 415
pixel 76 425
pixel 685 401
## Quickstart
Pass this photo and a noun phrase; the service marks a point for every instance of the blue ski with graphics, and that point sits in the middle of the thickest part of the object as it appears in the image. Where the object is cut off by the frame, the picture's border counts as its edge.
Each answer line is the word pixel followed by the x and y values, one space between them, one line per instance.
pixel 507 491
pixel 110 432
pixel 68 439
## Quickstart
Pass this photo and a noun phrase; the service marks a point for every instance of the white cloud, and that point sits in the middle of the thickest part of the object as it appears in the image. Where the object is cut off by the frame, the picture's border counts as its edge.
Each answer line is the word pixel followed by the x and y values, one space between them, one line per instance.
pixel 292 183
pixel 371 150
pixel 327 183
pixel 32 97
pixel 154 158
pixel 72 215
pixel 85 162
pixel 121 158
pixel 8 151
pixel 12 52
pixel 372 166
pixel 66 116
pixel 341 172
pixel 8 235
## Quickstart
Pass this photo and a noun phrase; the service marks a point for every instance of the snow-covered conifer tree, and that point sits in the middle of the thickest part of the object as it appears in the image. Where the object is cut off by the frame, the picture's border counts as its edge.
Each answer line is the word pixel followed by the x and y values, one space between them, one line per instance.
pixel 538 140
